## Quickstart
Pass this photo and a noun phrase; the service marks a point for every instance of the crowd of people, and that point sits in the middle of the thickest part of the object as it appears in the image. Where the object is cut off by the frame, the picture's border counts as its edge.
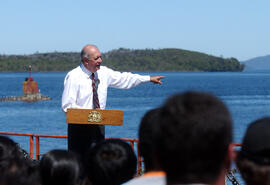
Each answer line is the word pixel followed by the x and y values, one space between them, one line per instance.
pixel 187 140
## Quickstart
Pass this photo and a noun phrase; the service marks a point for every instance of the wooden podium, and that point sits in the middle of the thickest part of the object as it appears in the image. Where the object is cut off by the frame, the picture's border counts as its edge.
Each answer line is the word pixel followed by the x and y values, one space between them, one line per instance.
pixel 94 116
pixel 86 127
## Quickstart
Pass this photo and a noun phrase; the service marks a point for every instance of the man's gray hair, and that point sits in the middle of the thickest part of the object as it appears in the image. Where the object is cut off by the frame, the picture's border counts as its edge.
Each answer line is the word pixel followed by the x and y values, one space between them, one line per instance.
pixel 84 54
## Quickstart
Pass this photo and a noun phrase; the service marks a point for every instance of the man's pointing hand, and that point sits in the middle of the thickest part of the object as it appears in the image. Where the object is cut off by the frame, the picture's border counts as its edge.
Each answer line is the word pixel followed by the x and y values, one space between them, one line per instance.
pixel 156 79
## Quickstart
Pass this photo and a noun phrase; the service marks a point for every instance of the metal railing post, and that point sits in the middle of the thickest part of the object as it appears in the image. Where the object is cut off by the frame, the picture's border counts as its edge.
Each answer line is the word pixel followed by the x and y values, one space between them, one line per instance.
pixel 37 148
pixel 31 146
pixel 140 171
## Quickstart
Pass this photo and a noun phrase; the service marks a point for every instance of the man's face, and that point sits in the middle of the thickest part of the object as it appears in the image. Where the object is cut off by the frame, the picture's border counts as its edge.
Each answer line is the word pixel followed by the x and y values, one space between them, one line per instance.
pixel 93 64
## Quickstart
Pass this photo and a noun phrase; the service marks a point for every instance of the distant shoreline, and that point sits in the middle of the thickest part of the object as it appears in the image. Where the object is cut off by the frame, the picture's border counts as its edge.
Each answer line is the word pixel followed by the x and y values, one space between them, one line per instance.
pixel 148 60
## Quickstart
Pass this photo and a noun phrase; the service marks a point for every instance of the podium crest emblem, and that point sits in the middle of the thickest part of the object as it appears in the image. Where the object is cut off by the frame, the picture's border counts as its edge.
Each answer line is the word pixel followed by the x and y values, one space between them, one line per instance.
pixel 94 116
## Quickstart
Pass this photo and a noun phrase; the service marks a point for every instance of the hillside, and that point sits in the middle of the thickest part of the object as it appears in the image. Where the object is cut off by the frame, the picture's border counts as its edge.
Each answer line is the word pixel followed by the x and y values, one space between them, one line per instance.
pixel 123 60
pixel 258 63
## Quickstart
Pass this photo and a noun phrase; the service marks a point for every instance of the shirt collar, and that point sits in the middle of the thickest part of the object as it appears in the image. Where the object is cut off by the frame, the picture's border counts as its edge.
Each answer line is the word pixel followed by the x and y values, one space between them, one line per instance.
pixel 86 71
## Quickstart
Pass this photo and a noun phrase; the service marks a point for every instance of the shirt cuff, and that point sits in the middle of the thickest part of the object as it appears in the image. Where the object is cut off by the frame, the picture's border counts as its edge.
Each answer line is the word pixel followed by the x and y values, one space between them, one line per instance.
pixel 146 79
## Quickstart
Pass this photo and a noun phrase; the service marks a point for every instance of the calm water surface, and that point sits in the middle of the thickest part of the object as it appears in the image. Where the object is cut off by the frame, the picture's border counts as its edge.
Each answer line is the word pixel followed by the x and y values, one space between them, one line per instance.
pixel 246 94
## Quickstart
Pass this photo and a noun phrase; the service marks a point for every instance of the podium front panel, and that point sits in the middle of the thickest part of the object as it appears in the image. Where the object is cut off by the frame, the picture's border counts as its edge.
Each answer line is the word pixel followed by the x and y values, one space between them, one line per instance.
pixel 94 116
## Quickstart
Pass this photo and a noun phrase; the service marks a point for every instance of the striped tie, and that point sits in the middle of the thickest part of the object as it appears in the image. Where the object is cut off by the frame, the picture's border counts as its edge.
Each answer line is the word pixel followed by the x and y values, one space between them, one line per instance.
pixel 95 95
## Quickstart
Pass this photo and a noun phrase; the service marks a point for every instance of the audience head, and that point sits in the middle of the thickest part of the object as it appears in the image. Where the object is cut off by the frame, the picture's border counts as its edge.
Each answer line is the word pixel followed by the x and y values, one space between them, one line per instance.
pixel 18 179
pixel 15 165
pixel 11 159
pixel 146 139
pixel 110 162
pixel 59 167
pixel 253 160
pixel 193 141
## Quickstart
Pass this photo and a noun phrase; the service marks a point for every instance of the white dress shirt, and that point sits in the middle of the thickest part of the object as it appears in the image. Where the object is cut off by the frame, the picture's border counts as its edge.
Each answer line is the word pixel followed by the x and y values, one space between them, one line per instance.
pixel 78 86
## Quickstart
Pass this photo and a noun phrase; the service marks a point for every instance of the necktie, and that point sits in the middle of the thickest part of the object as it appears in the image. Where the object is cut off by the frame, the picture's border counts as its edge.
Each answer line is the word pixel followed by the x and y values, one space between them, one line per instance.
pixel 95 95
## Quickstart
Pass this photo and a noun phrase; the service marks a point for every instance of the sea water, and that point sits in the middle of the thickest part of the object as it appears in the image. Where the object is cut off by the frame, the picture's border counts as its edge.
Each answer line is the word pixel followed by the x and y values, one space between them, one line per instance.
pixel 247 95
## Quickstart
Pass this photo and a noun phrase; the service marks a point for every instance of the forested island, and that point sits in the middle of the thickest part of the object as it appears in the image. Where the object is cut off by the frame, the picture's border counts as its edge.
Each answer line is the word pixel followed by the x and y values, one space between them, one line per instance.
pixel 143 60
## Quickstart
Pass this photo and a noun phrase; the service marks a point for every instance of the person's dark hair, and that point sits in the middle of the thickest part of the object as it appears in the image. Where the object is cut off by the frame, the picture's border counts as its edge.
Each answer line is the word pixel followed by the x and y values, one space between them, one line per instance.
pixel 193 137
pixel 59 167
pixel 14 162
pixel 146 138
pixel 8 147
pixel 17 179
pixel 110 162
pixel 252 172
pixel 253 159
pixel 11 156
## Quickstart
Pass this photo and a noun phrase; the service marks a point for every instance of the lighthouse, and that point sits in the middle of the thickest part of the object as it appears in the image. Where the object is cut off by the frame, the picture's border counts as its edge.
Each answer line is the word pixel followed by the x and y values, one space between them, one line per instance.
pixel 30 86
pixel 31 92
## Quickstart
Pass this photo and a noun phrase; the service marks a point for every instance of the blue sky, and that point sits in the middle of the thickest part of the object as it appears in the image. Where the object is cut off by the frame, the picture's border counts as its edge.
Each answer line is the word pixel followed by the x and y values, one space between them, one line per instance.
pixel 228 28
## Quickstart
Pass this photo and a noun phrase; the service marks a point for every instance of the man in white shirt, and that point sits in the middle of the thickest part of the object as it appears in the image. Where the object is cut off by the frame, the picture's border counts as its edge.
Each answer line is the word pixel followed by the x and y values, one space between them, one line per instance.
pixel 78 93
